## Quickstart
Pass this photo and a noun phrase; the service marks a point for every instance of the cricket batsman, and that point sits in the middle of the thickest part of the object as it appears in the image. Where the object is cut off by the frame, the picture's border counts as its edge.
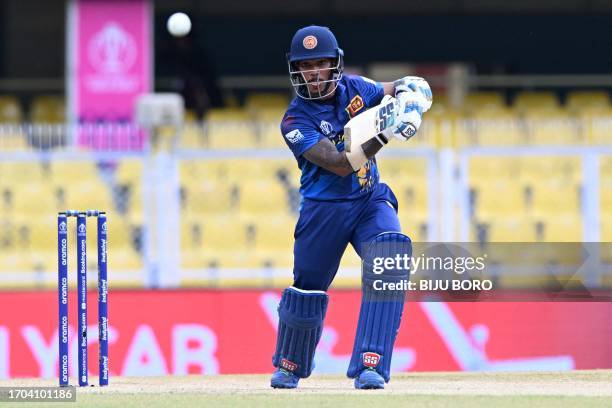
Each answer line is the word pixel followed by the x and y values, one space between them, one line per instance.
pixel 343 202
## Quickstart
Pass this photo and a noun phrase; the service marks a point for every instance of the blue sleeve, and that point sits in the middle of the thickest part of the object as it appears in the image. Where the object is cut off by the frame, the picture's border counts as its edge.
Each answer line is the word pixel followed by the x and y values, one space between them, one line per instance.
pixel 372 92
pixel 299 135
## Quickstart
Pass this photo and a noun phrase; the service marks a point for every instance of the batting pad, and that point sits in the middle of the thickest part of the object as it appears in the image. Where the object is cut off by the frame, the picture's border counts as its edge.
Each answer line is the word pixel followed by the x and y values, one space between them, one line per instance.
pixel 381 310
pixel 301 314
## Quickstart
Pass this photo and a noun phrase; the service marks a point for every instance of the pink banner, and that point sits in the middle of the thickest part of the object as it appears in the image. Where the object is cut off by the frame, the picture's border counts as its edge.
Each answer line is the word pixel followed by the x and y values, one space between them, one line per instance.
pixel 209 332
pixel 110 62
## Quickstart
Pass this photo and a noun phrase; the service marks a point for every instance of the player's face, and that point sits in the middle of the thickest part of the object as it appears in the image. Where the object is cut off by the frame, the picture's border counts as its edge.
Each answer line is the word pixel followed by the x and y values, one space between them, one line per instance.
pixel 314 71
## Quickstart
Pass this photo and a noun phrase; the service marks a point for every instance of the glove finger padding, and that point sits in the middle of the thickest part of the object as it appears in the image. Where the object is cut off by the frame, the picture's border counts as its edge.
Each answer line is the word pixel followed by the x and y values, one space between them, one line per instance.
pixel 418 85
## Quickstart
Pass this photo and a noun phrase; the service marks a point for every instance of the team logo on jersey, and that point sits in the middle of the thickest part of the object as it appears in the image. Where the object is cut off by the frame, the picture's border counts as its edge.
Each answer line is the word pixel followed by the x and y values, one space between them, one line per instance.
pixel 309 42
pixel 371 359
pixel 326 128
pixel 294 136
pixel 355 106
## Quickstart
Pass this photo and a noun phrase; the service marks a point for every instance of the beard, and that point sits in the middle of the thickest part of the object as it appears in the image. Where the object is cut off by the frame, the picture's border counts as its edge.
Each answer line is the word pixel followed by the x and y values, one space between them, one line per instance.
pixel 318 88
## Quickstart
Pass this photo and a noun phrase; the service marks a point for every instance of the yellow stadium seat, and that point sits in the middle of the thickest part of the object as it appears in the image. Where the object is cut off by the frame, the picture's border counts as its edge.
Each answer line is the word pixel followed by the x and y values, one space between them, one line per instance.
pixel 544 168
pixel 440 106
pixel 415 168
pixel 606 166
pixel 547 228
pixel 193 136
pixel 192 233
pixel 34 198
pixel 414 224
pixel 555 199
pixel 194 171
pixel 598 126
pixel 120 231
pixel 16 261
pixel 437 127
pixel 511 229
pixel 501 198
pixel 18 173
pixel 277 258
pixel 591 101
pixel 10 110
pixel 227 233
pixel 192 258
pixel 606 229
pixel 88 194
pixel 48 109
pixel 562 228
pixel 259 169
pixel 242 261
pixel 264 196
pixel 606 199
pixel 67 171
pixel 270 114
pixel 412 196
pixel 269 135
pixel 229 129
pixel 123 259
pixel 266 100
pixel 405 177
pixel 484 168
pixel 491 127
pixel 431 134
pixel 553 127
pixel 129 171
pixel 43 229
pixel 483 101
pixel 275 232
pixel 210 197
pixel 538 101
pixel 248 241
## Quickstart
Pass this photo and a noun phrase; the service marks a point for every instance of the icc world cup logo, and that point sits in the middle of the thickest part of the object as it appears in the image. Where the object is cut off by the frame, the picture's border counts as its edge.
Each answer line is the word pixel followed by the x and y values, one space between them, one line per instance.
pixel 112 50
pixel 62 227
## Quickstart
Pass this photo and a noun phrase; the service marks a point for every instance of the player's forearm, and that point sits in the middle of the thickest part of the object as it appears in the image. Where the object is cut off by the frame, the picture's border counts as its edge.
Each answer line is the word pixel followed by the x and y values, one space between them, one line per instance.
pixel 324 154
pixel 389 88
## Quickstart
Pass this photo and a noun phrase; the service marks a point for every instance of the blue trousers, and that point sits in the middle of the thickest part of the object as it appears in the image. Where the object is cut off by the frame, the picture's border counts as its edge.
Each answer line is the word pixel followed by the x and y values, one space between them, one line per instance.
pixel 325 228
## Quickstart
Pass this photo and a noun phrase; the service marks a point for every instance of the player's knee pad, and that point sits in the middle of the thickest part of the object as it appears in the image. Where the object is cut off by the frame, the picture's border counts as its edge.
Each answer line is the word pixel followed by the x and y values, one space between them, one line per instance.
pixel 385 273
pixel 301 314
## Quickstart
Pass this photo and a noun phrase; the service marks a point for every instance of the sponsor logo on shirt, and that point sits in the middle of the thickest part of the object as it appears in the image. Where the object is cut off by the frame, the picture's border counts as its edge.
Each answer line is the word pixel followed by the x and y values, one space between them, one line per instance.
pixel 294 136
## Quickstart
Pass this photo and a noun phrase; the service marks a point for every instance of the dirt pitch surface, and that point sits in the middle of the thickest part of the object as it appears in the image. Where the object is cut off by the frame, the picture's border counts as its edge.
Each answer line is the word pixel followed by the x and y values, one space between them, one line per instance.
pixel 576 388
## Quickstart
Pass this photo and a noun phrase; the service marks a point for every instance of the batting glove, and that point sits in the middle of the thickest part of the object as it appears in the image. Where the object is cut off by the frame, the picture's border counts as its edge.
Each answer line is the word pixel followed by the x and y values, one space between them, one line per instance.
pixel 415 84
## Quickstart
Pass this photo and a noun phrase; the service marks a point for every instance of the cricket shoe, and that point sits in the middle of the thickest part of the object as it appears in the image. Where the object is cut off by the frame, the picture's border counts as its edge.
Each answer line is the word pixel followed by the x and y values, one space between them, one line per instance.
pixel 369 379
pixel 284 379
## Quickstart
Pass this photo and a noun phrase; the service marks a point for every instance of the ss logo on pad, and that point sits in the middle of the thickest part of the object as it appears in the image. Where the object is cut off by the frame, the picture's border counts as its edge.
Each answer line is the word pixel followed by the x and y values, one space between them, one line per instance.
pixel 385 117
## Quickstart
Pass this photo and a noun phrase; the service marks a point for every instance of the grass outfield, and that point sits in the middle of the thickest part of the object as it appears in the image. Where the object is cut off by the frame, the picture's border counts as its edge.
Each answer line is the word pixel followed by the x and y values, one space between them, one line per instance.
pixel 576 388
